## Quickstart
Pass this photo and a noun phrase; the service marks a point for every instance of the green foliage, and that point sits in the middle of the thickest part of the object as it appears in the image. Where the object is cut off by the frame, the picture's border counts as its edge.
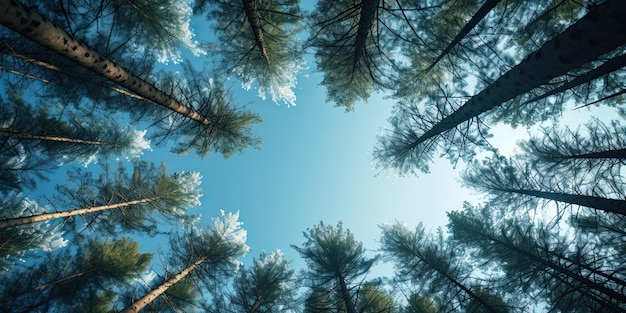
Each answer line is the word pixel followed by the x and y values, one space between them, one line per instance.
pixel 267 54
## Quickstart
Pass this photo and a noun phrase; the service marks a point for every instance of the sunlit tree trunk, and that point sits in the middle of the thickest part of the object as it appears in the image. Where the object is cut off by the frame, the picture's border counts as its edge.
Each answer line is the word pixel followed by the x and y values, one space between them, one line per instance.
pixel 55 215
pixel 150 296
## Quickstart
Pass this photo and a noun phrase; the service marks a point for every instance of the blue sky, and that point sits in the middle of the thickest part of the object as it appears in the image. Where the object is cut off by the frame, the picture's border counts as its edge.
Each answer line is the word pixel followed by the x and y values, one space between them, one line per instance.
pixel 314 165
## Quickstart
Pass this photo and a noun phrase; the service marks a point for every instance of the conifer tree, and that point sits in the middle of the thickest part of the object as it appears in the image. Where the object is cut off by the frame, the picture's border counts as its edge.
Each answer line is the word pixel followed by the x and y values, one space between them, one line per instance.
pixel 210 255
pixel 336 261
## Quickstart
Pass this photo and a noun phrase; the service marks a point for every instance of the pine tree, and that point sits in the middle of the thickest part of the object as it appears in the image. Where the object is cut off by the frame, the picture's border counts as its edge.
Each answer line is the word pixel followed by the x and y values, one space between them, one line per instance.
pixel 258 43
pixel 68 279
pixel 433 264
pixel 335 262
pixel 536 259
pixel 201 110
pixel 211 255
pixel 418 133
pixel 121 200
pixel 267 286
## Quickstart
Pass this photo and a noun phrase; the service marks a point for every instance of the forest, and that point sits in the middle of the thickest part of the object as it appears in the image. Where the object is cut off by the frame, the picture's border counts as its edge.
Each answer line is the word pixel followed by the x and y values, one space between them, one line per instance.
pixel 84 82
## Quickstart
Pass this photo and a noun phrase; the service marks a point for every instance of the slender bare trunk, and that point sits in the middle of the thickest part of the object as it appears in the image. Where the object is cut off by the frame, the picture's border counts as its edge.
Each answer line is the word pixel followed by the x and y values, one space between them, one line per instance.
pixel 150 296
pixel 50 216
pixel 37 28
pixel 600 31
pixel 616 206
pixel 480 14
pixel 345 295
pixel 10 133
pixel 251 9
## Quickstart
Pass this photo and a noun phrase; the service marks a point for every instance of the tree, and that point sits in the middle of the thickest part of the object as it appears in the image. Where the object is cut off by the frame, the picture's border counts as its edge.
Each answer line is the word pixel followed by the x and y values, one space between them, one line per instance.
pixel 210 255
pixel 535 257
pixel 46 34
pixel 318 301
pixel 374 299
pixel 16 241
pixel 434 266
pixel 267 286
pixel 66 280
pixel 258 43
pixel 119 199
pixel 512 184
pixel 335 262
pixel 81 137
pixel 415 136
pixel 353 42
pixel 420 304
pixel 597 148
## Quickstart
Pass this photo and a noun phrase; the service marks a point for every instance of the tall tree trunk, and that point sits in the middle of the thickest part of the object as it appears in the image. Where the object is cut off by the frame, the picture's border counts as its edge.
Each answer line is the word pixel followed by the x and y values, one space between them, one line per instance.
pixel 600 31
pixel 10 133
pixel 345 295
pixel 366 18
pixel 608 154
pixel 604 204
pixel 37 28
pixel 150 296
pixel 621 92
pixel 480 14
pixel 609 66
pixel 251 9
pixel 50 216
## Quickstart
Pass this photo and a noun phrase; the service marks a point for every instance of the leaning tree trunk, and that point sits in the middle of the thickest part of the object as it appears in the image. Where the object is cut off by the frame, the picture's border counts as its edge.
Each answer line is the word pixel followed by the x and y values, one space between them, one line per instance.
pixel 50 216
pixel 616 206
pixel 10 133
pixel 480 14
pixel 37 28
pixel 251 9
pixel 150 296
pixel 600 31
pixel 619 154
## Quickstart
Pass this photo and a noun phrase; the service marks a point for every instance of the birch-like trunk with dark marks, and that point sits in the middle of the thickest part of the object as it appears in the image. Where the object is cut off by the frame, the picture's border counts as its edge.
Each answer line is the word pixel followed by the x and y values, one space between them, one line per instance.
pixel 600 31
pixel 10 222
pixel 251 9
pixel 37 28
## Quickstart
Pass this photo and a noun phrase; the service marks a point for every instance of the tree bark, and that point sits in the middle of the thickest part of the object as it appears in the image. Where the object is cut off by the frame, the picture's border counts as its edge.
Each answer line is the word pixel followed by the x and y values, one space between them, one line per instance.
pixel 50 216
pixel 37 28
pixel 600 31
pixel 150 296
pixel 251 9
